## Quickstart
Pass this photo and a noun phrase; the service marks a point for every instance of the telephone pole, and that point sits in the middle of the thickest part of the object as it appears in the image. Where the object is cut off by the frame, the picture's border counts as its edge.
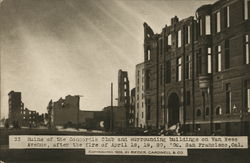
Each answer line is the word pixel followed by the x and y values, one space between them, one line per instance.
pixel 111 117
pixel 78 111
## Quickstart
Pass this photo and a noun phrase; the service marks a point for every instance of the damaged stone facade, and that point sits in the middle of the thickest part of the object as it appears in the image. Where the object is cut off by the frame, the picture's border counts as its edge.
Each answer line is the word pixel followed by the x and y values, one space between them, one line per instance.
pixel 21 116
pixel 123 89
pixel 65 111
pixel 140 111
pixel 31 118
pixel 15 106
pixel 197 71
pixel 124 93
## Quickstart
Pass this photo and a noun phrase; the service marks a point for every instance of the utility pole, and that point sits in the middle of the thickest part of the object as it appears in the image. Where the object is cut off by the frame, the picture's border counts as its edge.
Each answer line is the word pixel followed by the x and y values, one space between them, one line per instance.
pixel 111 117
pixel 78 111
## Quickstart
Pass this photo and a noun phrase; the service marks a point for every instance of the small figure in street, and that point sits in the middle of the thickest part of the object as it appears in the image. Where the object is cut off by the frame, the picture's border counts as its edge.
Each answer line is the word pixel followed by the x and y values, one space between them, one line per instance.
pixel 6 124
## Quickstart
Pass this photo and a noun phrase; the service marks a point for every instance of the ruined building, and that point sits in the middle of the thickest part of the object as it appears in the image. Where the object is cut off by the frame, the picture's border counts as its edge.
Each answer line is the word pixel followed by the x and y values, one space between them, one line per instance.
pixel 31 118
pixel 124 93
pixel 21 116
pixel 64 111
pixel 123 89
pixel 140 111
pixel 197 71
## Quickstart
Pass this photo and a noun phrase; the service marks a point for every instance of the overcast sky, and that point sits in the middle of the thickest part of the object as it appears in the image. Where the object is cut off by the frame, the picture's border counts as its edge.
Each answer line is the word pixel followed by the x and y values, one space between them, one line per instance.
pixel 52 48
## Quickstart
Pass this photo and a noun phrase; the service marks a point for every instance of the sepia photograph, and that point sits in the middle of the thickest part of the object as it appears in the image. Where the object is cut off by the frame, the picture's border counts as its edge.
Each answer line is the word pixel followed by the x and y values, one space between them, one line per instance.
pixel 103 81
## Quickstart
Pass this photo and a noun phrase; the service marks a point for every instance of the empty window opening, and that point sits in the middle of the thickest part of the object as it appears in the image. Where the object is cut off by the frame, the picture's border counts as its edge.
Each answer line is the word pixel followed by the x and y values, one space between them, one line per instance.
pixel 227 16
pixel 218 58
pixel 169 39
pixel 209 60
pixel 179 39
pixel 246 9
pixel 188 34
pixel 218 111
pixel 179 68
pixel 148 55
pixel 208 25
pixel 218 28
pixel 246 49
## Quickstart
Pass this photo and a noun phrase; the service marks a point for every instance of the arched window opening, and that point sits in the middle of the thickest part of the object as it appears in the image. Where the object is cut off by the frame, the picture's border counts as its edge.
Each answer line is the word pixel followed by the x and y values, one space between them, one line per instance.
pixel 218 111
pixel 198 113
